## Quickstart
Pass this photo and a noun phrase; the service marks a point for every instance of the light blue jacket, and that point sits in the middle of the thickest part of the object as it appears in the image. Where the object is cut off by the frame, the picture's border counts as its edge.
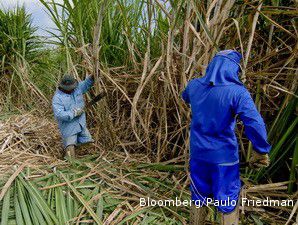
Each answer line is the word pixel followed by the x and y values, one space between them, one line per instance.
pixel 63 105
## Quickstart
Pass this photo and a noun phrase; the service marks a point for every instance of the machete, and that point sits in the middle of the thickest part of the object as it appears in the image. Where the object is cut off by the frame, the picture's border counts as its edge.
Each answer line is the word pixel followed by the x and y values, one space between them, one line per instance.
pixel 96 99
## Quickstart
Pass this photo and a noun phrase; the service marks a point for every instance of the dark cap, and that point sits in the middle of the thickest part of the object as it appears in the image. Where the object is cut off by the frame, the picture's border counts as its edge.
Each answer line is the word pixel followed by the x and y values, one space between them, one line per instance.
pixel 68 83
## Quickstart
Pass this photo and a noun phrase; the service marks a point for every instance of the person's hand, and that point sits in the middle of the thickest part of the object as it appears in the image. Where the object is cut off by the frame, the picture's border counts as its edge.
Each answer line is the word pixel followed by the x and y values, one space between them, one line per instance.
pixel 78 111
pixel 258 160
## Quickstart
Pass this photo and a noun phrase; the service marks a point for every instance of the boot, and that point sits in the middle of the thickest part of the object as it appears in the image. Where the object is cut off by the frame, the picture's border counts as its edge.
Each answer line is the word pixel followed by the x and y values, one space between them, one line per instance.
pixel 198 215
pixel 70 151
pixel 231 218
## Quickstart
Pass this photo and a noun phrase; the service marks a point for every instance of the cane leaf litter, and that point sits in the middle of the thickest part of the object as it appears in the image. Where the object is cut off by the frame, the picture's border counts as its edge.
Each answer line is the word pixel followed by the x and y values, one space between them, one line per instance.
pixel 142 54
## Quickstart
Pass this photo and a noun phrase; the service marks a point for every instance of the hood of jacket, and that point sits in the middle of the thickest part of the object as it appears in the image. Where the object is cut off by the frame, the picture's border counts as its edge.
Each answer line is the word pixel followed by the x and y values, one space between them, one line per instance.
pixel 223 69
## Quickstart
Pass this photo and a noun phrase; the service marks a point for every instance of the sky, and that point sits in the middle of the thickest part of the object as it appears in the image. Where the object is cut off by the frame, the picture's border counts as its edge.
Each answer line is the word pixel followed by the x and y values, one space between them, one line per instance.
pixel 39 15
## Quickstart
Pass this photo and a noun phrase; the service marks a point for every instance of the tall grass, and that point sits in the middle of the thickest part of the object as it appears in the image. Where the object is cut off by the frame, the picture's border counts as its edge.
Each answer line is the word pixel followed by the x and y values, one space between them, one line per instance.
pixel 283 137
pixel 150 49
pixel 144 52
pixel 17 36
pixel 25 74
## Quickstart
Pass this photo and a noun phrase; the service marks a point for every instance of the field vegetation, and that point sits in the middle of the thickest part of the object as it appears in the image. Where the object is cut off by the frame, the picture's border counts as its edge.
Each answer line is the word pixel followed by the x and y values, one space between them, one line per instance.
pixel 142 53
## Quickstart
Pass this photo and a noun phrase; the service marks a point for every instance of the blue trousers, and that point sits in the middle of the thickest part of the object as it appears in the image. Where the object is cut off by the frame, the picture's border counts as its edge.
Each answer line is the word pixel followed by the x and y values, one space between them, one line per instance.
pixel 220 182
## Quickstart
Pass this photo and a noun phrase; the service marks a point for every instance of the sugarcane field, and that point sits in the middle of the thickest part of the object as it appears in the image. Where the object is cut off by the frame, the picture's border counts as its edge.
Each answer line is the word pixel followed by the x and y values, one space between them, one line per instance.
pixel 136 112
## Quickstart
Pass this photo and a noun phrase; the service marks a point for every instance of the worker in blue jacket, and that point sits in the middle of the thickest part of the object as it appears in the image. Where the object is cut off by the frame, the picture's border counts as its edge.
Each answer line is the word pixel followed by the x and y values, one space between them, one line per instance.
pixel 68 106
pixel 216 99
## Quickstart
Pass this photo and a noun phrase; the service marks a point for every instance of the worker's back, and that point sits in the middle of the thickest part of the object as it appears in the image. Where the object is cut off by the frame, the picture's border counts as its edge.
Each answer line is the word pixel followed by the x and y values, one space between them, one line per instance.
pixel 215 100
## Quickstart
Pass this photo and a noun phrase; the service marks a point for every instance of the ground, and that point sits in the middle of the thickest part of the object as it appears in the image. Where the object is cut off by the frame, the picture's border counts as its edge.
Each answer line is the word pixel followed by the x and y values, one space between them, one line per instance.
pixel 100 186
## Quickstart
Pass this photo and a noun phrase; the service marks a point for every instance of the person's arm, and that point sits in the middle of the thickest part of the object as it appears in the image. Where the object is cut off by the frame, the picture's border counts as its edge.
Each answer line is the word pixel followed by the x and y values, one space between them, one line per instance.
pixel 254 126
pixel 86 84
pixel 60 113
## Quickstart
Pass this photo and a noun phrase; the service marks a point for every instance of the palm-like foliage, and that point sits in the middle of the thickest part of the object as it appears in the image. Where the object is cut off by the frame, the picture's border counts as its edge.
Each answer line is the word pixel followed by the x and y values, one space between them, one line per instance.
pixel 24 70
pixel 123 30
pixel 62 197
pixel 17 38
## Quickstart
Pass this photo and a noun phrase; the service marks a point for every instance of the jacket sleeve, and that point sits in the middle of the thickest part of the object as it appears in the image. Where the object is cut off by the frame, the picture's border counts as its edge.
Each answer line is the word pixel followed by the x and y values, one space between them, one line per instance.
pixel 60 113
pixel 254 126
pixel 86 84
pixel 185 95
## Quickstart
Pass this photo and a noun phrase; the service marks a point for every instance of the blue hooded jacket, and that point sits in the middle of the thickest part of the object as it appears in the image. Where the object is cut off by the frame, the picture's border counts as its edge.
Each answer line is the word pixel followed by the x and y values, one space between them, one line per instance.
pixel 63 105
pixel 215 100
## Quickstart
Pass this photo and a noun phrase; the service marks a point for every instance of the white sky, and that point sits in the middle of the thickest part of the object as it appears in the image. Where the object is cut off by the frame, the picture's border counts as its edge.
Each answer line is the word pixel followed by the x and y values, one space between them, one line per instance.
pixel 40 18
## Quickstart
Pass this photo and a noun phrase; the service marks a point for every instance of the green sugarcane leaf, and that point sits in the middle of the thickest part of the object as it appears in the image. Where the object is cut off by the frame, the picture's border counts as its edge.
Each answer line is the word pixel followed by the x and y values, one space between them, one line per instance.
pixel 18 213
pixel 23 203
pixel 132 216
pixel 5 207
pixel 81 199
pixel 40 201
pixel 277 148
pixel 57 208
pixel 35 210
pixel 32 212
pixel 257 220
pixel 294 167
pixel 99 208
pixel 70 205
pixel 148 220
pixel 162 167
pixel 61 206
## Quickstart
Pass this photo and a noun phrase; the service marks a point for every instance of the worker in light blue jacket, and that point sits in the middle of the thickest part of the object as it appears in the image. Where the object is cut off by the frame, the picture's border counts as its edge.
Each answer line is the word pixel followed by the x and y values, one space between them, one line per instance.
pixel 68 106
pixel 216 99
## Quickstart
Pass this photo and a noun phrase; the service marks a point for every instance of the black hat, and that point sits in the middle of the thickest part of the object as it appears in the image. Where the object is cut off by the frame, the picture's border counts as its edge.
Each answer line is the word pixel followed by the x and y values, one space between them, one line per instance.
pixel 68 83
